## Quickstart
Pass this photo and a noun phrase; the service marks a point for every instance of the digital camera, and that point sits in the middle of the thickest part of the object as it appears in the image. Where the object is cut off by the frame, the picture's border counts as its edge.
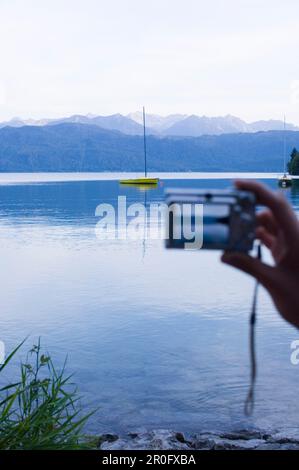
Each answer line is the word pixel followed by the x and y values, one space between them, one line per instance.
pixel 210 219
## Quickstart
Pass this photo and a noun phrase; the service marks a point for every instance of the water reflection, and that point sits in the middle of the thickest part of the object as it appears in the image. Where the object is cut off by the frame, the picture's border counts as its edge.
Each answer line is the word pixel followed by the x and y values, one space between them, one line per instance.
pixel 294 194
pixel 155 338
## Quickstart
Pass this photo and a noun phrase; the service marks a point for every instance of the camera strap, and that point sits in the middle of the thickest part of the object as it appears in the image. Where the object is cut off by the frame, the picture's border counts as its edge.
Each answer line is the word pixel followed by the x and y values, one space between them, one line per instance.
pixel 249 402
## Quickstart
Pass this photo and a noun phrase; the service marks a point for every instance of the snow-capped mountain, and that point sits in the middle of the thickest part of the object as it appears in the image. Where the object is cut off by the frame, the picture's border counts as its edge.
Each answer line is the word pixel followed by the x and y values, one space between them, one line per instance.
pixel 194 126
pixel 172 125
pixel 156 122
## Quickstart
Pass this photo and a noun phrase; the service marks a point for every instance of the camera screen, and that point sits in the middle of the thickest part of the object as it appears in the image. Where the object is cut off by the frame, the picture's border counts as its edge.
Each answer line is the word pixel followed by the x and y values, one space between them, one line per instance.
pixel 204 223
pixel 215 224
pixel 219 220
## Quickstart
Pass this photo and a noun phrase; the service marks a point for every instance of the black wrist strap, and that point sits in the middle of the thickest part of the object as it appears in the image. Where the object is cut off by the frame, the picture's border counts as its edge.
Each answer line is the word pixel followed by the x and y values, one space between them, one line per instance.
pixel 249 402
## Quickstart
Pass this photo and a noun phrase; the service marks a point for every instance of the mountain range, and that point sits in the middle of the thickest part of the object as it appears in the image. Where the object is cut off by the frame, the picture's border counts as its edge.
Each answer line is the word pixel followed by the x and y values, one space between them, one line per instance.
pixel 172 125
pixel 72 146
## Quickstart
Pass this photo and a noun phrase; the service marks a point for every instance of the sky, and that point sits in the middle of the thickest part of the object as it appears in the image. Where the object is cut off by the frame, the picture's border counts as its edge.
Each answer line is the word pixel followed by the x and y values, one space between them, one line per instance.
pixel 212 57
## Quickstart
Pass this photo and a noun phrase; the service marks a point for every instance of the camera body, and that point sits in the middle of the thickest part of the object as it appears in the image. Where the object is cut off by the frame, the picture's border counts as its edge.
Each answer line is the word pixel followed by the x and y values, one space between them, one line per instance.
pixel 219 219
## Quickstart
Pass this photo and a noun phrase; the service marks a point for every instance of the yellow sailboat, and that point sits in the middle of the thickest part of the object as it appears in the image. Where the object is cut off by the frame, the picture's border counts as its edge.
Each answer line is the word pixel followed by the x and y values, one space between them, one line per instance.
pixel 140 181
pixel 144 180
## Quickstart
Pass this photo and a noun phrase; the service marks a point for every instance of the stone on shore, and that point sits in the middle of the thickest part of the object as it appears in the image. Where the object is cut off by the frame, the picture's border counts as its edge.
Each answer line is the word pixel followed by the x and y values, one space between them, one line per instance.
pixel 163 439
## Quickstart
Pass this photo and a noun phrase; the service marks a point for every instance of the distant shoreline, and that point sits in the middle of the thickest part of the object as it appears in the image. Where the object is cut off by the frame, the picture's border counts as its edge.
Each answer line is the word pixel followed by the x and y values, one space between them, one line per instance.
pixel 45 177
pixel 75 147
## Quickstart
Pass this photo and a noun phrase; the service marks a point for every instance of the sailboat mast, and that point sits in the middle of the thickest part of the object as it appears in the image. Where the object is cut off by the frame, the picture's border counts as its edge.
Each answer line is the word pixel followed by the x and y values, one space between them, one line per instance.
pixel 284 144
pixel 144 144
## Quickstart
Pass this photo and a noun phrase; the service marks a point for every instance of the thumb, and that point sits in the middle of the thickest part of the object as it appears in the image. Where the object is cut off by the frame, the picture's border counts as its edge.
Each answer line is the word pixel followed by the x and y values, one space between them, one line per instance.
pixel 253 266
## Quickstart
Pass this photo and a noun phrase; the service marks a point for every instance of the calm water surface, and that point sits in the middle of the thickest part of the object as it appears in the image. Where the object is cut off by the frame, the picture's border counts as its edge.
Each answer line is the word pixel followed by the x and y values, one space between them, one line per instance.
pixel 156 338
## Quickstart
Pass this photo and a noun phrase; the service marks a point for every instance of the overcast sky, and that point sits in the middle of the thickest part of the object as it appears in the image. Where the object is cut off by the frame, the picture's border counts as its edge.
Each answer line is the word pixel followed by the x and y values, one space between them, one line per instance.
pixel 213 57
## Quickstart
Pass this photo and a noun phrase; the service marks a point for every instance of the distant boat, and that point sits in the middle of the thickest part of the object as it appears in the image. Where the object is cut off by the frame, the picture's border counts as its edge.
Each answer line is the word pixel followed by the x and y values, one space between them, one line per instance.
pixel 285 181
pixel 145 180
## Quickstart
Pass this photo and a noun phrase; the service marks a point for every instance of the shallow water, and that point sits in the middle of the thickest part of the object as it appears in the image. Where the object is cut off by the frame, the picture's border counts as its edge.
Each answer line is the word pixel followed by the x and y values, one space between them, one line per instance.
pixel 156 338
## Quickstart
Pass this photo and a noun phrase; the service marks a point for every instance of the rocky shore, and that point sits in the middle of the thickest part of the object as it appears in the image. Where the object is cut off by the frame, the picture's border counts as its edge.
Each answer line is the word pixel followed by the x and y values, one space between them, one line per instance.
pixel 166 439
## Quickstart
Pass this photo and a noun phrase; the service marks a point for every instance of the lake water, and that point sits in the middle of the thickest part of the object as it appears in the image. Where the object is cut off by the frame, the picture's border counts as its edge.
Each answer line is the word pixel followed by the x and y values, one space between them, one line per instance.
pixel 156 338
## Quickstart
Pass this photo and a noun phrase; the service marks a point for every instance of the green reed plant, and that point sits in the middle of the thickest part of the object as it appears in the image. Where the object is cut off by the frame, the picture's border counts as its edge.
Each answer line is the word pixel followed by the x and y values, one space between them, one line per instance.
pixel 42 409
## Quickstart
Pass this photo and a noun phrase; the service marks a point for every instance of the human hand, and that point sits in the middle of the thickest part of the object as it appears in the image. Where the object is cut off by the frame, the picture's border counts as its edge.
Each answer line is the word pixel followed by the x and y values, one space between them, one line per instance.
pixel 278 230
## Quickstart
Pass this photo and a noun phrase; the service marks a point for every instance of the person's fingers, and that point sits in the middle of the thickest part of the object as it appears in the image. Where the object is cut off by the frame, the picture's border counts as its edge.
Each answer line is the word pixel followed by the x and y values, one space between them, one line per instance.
pixel 253 266
pixel 264 195
pixel 281 209
pixel 266 237
pixel 266 219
